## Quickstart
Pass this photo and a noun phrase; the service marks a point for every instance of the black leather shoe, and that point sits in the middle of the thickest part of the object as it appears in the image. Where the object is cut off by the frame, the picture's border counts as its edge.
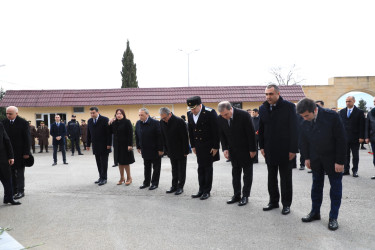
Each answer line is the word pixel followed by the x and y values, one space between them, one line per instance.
pixel 65 163
pixel 97 182
pixel 310 171
pixel 115 165
pixel 302 168
pixel 346 173
pixel 205 196
pixel 143 186
pixel 270 206
pixel 80 154
pixel 12 202
pixel 171 190
pixel 355 174
pixel 40 152
pixel 234 199
pixel 54 164
pixel 286 210
pixel 311 217
pixel 373 178
pixel 243 201
pixel 102 182
pixel 197 195
pixel 179 191
pixel 228 160
pixel 333 224
pixel 153 187
pixel 18 196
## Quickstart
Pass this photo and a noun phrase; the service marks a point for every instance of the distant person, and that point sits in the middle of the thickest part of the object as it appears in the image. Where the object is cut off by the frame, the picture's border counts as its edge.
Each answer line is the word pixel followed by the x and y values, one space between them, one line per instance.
pixel 43 135
pixel 324 144
pixel 256 119
pixel 74 134
pixel 83 128
pixel 370 132
pixel 58 133
pixel 354 123
pixel 33 135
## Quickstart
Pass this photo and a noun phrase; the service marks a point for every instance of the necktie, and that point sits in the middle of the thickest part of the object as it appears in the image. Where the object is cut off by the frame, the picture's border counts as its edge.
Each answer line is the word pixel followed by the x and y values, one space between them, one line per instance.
pixel 349 112
pixel 230 122
pixel 11 122
pixel 58 124
pixel 95 120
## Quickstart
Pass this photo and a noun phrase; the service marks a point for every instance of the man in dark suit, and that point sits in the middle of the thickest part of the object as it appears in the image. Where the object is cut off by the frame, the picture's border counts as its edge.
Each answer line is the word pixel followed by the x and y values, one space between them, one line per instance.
pixel 58 133
pixel 149 144
pixel 237 137
pixel 204 141
pixel 354 123
pixel 19 134
pixel 74 133
pixel 176 142
pixel 99 134
pixel 278 141
pixel 256 119
pixel 33 135
pixel 43 135
pixel 323 145
pixel 6 160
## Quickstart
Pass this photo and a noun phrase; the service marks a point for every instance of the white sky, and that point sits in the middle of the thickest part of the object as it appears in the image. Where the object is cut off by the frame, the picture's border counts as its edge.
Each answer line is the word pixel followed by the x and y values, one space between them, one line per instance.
pixel 79 44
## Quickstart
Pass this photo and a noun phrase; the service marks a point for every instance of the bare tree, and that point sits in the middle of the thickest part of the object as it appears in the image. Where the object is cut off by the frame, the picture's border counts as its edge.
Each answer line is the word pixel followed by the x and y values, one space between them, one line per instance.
pixel 283 78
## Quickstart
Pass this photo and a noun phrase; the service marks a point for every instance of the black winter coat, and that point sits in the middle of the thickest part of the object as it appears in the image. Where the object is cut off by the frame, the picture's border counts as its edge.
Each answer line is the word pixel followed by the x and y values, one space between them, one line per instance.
pixel 148 138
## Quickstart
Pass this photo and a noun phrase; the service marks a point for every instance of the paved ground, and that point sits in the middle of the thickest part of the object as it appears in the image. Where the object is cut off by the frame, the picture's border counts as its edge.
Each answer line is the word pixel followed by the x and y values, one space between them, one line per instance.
pixel 64 209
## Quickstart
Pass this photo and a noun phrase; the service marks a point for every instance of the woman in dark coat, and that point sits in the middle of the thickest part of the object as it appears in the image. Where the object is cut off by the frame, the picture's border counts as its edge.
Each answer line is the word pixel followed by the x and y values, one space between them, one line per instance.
pixel 122 130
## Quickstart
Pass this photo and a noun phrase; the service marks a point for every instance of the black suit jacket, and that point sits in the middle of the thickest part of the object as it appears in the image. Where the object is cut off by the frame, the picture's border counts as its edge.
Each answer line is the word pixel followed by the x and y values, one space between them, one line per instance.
pixel 99 135
pixel 19 134
pixel 354 125
pixel 58 131
pixel 175 137
pixel 278 133
pixel 205 133
pixel 239 137
pixel 325 143
pixel 148 138
pixel 6 150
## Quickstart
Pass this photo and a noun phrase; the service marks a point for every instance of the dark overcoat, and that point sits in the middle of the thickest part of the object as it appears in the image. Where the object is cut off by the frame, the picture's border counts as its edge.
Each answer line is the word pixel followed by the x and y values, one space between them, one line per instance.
pixel 148 138
pixel 354 124
pixel 99 134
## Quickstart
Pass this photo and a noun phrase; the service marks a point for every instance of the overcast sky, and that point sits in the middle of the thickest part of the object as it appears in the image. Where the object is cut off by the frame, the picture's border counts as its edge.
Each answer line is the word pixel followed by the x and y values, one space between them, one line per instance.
pixel 79 44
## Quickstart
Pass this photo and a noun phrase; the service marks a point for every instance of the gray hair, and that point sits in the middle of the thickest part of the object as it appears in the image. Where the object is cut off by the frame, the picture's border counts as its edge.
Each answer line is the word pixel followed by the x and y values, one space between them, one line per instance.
pixel 224 105
pixel 164 110
pixel 272 85
pixel 13 108
pixel 351 97
pixel 144 110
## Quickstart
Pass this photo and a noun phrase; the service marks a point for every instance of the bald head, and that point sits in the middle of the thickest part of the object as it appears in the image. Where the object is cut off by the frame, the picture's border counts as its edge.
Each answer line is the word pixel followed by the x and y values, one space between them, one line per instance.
pixel 11 112
pixel 350 100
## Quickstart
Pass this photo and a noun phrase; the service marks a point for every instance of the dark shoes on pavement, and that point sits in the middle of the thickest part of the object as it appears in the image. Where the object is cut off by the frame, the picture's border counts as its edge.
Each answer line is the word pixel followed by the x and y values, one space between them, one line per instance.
pixel 102 182
pixel 144 186
pixel 373 178
pixel 153 187
pixel 205 196
pixel 197 195
pixel 355 174
pixel 302 168
pixel 12 202
pixel 171 190
pixel 286 210
pixel 311 217
pixel 234 199
pixel 18 195
pixel 270 206
pixel 243 201
pixel 333 224
pixel 179 191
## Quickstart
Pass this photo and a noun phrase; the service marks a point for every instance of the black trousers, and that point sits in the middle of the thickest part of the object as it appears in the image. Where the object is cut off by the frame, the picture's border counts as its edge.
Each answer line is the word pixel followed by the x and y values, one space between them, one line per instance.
pixel 148 165
pixel 255 159
pixel 102 164
pixel 237 168
pixel 286 184
pixel 205 168
pixel 41 148
pixel 178 172
pixel 75 144
pixel 354 147
pixel 18 179
pixel 62 147
pixel 301 160
pixel 6 180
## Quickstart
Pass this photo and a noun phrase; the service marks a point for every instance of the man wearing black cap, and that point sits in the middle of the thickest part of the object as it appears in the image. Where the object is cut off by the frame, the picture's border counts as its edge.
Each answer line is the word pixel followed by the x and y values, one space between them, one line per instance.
pixel 74 133
pixel 205 142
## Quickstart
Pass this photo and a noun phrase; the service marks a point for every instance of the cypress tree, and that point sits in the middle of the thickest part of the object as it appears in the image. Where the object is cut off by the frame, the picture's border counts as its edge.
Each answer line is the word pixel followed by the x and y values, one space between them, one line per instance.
pixel 129 69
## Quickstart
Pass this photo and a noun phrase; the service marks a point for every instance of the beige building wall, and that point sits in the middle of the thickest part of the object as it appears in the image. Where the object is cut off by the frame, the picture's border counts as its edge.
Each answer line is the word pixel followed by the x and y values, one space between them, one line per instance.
pixel 339 86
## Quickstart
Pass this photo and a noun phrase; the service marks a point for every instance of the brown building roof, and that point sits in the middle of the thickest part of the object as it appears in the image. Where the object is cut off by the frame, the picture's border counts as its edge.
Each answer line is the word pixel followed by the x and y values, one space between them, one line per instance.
pixel 102 97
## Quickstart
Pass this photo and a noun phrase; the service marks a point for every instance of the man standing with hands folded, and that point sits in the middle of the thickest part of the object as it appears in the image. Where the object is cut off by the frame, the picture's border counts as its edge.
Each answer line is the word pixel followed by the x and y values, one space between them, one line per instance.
pixel 323 145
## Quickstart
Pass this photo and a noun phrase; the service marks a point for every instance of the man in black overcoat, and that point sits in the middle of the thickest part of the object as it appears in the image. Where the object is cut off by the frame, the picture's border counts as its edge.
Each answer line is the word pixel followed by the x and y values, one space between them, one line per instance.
pixel 58 133
pixel 149 144
pixel 176 142
pixel 204 141
pixel 354 123
pixel 323 145
pixel 6 160
pixel 18 131
pixel 237 137
pixel 278 141
pixel 99 134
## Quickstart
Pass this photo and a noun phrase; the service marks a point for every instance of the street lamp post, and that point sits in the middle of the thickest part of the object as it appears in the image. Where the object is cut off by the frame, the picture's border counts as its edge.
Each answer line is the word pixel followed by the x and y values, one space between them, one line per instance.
pixel 188 55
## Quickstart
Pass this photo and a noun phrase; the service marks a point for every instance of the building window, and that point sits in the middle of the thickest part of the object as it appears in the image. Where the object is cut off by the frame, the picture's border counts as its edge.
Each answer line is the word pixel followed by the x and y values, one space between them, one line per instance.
pixel 78 110
pixel 237 105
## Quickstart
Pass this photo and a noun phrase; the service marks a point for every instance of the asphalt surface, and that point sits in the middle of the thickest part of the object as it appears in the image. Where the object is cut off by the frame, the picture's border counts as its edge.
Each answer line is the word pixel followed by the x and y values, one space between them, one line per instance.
pixel 64 209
